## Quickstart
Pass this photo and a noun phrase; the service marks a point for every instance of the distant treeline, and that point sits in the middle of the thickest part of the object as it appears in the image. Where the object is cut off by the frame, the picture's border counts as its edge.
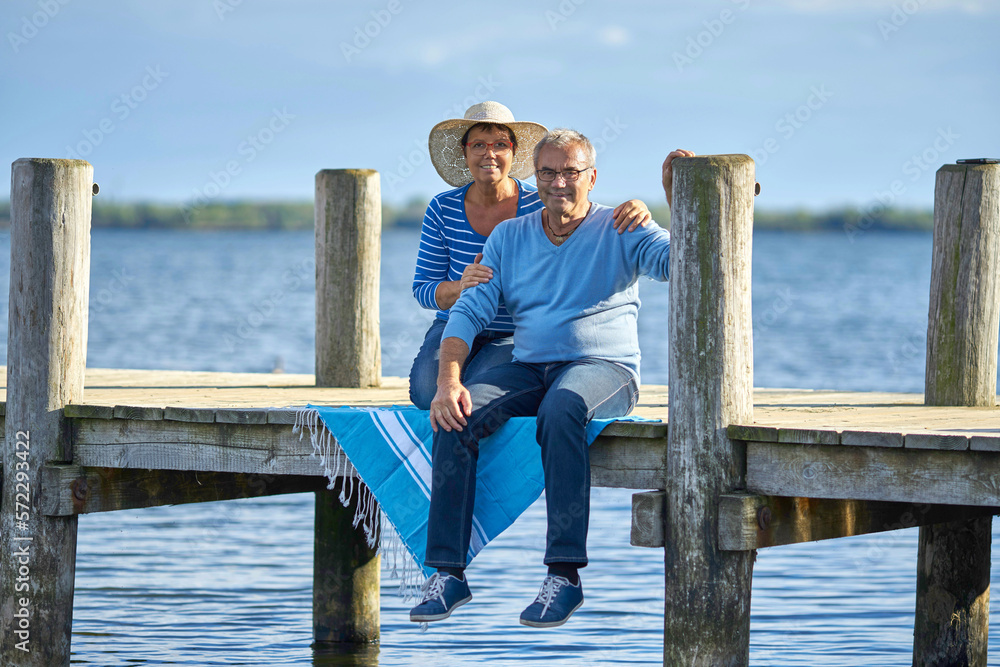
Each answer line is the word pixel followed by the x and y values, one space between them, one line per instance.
pixel 299 215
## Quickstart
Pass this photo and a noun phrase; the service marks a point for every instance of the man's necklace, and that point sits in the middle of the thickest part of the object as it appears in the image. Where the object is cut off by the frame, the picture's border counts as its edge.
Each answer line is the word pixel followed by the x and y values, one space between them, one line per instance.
pixel 548 224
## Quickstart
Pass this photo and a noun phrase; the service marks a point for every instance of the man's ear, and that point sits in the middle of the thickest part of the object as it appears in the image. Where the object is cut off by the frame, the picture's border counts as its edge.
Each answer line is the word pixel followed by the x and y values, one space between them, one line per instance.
pixel 593 177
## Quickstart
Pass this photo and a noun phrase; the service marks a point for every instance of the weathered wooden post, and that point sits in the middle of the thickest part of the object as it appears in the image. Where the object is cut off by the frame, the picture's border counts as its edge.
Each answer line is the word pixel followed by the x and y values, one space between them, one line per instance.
pixel 707 611
pixel 346 573
pixel 348 258
pixel 953 562
pixel 46 359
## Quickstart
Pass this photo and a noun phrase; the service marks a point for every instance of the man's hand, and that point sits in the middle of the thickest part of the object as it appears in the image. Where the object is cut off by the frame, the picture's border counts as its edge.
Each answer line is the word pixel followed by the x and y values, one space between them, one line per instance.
pixel 668 172
pixel 475 274
pixel 450 406
pixel 634 210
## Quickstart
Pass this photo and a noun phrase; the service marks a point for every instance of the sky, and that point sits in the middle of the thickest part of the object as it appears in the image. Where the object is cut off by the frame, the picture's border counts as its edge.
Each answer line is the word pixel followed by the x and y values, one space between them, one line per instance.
pixel 840 103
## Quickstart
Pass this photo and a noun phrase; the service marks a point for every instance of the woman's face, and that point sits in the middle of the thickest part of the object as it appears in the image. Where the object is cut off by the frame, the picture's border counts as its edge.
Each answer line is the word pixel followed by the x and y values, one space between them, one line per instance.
pixel 489 166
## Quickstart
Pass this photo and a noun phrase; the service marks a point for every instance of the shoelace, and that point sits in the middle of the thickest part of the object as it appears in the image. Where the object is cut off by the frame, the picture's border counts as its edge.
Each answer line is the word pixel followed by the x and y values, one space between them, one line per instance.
pixel 547 594
pixel 434 588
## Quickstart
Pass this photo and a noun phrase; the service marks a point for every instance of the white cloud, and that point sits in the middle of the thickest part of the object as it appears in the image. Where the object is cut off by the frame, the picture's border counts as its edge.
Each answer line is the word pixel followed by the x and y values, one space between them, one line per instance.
pixel 614 35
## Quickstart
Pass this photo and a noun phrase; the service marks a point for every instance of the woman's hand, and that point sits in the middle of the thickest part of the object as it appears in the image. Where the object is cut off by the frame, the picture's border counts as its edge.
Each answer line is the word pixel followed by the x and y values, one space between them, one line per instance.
pixel 475 274
pixel 668 171
pixel 631 215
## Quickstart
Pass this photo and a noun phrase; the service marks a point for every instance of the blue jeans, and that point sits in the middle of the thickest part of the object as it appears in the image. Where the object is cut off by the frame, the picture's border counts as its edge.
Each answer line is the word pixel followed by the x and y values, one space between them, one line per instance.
pixel 489 349
pixel 565 396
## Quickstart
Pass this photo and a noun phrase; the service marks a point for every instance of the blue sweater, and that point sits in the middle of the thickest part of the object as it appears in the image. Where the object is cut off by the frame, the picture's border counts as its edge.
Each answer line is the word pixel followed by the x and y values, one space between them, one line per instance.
pixel 568 302
pixel 448 244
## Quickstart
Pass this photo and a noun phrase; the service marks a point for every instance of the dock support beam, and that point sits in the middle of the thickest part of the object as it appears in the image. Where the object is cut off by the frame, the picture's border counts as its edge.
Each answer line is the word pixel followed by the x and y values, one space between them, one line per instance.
pixel 707 611
pixel 346 573
pixel 46 359
pixel 953 562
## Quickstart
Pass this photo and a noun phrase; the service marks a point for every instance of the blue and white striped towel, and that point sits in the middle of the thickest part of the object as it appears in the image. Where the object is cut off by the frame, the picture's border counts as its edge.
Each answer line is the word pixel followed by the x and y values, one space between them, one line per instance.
pixel 391 450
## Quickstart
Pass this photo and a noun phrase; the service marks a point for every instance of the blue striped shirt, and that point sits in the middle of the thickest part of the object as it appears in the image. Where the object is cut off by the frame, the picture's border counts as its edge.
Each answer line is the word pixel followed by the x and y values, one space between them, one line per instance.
pixel 448 244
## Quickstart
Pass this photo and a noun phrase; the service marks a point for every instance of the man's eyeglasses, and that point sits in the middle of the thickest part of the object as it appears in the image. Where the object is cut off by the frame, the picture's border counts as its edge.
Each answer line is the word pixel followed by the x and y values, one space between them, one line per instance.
pixel 480 147
pixel 569 175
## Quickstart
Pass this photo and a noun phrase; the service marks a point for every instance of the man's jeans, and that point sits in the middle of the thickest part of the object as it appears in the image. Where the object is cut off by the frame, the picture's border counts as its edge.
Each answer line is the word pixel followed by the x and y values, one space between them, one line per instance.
pixel 565 396
pixel 489 348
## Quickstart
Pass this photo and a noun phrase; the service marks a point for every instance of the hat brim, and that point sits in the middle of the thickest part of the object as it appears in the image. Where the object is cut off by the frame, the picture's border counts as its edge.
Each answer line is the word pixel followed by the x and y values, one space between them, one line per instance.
pixel 445 145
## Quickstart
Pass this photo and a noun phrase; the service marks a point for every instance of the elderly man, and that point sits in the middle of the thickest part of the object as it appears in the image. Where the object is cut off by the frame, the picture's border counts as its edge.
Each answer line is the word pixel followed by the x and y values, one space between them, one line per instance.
pixel 569 281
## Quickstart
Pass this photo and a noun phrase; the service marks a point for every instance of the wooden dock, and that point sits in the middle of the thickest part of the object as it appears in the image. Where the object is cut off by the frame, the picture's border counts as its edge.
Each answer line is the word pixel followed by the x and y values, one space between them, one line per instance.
pixel 737 469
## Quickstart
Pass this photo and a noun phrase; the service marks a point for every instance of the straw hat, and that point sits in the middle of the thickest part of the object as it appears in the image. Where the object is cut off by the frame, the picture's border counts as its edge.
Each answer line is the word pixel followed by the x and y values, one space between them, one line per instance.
pixel 445 142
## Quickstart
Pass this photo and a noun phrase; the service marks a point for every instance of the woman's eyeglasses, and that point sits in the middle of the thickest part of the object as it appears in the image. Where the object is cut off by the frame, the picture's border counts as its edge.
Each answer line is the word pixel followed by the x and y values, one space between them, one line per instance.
pixel 498 147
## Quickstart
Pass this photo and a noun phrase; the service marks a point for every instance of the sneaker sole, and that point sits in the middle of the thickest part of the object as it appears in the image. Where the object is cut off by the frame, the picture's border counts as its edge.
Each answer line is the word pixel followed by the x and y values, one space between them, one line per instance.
pixel 551 624
pixel 430 618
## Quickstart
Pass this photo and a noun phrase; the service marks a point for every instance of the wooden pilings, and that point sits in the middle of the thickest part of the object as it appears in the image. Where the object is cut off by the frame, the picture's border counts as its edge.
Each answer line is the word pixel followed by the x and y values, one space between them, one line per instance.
pixel 46 358
pixel 707 612
pixel 346 573
pixel 953 563
pixel 348 252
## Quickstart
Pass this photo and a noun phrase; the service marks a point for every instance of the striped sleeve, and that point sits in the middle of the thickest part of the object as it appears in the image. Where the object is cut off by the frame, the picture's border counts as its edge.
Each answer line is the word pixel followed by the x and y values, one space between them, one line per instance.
pixel 432 257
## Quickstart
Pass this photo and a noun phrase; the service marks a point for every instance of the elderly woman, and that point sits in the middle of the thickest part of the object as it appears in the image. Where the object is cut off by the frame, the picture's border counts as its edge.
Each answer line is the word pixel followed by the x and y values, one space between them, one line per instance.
pixel 484 155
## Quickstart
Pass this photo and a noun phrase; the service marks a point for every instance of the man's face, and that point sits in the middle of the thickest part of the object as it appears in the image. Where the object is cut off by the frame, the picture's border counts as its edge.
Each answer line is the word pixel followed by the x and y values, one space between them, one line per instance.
pixel 562 197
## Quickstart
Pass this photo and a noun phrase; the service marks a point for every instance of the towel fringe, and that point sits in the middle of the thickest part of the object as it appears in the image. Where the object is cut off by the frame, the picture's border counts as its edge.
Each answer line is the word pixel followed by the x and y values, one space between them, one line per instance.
pixel 380 533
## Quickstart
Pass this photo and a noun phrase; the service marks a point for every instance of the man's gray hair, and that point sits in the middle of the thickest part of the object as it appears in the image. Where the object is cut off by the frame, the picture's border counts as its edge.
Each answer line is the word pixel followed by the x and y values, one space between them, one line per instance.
pixel 563 138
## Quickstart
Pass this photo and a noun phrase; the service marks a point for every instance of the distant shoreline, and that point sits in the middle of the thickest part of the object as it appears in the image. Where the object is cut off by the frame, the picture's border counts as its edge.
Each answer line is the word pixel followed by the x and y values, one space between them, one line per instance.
pixel 248 215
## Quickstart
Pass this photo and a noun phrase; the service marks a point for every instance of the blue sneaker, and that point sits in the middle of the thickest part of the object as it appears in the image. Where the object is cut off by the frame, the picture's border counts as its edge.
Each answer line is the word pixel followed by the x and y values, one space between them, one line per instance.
pixel 443 594
pixel 556 602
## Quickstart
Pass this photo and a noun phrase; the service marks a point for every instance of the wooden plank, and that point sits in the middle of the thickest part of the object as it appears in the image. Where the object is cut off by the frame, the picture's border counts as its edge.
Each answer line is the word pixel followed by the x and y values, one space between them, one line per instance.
pixel 198 415
pixel 871 438
pixel 281 416
pixel 172 445
pixel 636 429
pixel 809 436
pixel 138 412
pixel 241 416
pixel 648 510
pixel 757 433
pixel 89 411
pixel 748 522
pixel 628 462
pixel 936 441
pixel 981 443
pixel 71 489
pixel 874 473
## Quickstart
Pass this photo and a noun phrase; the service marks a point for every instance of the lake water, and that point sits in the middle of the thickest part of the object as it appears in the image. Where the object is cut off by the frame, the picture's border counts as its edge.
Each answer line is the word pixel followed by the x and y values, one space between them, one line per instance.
pixel 230 583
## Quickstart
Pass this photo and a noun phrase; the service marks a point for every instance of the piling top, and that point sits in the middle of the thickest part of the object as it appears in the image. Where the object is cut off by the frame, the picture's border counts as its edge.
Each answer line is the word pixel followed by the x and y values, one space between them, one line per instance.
pixel 48 160
pixel 712 160
pixel 349 172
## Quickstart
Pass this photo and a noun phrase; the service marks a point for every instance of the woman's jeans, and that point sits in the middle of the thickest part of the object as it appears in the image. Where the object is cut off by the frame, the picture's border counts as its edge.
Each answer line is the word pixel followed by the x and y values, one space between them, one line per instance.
pixel 489 349
pixel 565 396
